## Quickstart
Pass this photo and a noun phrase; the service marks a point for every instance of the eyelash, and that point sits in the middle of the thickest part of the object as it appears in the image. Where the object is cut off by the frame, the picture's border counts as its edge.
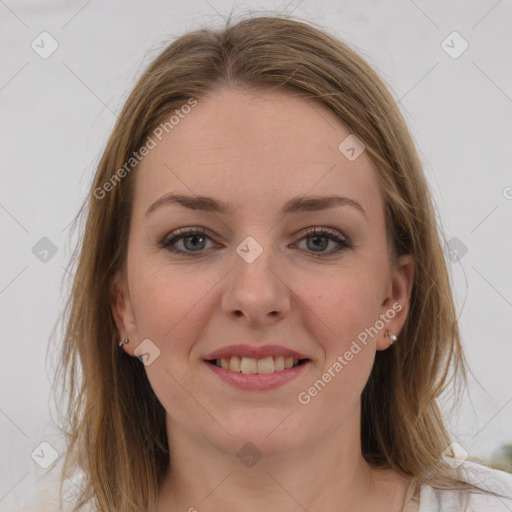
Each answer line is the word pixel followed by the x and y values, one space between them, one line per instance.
pixel 168 242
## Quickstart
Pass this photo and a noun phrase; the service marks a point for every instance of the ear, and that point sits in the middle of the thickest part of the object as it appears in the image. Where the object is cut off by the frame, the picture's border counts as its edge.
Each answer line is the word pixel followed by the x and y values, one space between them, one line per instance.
pixel 122 310
pixel 395 307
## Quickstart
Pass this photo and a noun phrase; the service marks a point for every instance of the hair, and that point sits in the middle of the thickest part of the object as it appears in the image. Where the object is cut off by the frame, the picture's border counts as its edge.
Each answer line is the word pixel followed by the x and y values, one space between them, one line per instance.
pixel 118 441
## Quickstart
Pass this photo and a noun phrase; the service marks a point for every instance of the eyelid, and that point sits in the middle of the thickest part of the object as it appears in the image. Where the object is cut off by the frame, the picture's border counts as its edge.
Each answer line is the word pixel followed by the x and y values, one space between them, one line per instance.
pixel 321 230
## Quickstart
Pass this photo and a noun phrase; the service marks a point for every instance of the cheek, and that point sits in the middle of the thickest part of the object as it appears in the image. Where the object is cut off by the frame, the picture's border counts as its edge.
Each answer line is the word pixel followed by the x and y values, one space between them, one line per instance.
pixel 346 304
pixel 346 311
pixel 169 304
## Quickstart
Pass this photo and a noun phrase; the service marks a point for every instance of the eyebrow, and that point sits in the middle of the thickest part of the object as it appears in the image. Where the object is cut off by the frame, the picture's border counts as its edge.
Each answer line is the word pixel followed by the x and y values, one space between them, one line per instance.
pixel 294 205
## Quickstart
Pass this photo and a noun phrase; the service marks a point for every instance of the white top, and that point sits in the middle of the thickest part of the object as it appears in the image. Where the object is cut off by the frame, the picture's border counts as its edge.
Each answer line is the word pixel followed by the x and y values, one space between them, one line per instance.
pixel 440 500
pixel 429 499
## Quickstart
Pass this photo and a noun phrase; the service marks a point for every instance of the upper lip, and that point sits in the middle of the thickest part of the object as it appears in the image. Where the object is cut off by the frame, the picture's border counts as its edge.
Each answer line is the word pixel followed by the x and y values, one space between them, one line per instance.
pixel 259 352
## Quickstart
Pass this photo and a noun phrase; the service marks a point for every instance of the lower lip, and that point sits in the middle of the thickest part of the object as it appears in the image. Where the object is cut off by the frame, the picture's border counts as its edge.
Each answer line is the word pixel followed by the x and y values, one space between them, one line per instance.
pixel 257 381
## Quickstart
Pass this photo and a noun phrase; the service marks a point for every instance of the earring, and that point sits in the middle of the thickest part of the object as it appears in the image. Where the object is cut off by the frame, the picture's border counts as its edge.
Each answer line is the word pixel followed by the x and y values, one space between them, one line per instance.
pixel 391 335
pixel 121 343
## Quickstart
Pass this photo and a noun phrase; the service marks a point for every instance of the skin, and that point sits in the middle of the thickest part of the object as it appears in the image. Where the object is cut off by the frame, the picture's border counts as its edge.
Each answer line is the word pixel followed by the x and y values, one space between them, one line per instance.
pixel 256 151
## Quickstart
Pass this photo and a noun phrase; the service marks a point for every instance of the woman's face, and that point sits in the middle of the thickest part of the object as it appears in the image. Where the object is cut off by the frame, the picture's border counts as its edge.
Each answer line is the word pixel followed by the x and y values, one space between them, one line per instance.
pixel 254 276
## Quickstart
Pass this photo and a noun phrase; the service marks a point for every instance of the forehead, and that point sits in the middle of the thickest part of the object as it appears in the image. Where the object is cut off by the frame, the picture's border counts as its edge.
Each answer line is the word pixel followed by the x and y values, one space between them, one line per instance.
pixel 255 151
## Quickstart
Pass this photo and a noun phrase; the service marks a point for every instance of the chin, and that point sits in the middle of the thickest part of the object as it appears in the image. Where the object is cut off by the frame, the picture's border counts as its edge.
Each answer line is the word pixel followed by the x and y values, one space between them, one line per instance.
pixel 265 433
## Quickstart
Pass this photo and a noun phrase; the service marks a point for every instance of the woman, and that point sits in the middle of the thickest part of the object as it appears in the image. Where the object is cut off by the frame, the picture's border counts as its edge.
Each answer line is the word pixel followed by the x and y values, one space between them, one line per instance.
pixel 261 307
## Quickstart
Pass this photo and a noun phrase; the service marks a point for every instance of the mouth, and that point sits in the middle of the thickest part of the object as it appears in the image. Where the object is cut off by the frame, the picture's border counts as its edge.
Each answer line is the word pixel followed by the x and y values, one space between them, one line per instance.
pixel 250 365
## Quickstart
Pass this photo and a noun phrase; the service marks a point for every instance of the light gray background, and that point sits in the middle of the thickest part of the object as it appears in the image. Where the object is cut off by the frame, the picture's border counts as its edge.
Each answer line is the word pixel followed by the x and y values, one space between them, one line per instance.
pixel 56 114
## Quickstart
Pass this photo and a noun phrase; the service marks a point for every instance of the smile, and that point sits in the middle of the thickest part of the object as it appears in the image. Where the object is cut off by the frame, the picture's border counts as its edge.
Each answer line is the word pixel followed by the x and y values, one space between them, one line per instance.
pixel 250 374
pixel 250 365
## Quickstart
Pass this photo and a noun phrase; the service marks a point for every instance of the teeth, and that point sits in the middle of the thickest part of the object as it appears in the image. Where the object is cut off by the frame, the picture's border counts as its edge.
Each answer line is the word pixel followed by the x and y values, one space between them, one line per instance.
pixel 249 365
pixel 279 363
pixel 234 364
pixel 266 365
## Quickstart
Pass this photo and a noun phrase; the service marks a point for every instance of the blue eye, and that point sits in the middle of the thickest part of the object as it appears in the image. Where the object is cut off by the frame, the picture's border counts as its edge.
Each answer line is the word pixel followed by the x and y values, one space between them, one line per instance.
pixel 320 238
pixel 194 240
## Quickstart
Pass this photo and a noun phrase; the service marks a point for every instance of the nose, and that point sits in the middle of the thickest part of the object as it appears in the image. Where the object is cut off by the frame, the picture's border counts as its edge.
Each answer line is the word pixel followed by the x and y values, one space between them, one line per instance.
pixel 255 292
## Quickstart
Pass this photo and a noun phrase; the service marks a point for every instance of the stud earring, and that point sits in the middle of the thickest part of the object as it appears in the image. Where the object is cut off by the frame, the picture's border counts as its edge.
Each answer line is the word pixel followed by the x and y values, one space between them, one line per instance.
pixel 391 335
pixel 121 343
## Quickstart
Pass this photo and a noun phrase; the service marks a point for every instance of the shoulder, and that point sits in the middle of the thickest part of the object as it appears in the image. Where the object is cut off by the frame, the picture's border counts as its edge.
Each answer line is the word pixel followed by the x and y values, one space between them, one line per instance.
pixel 494 480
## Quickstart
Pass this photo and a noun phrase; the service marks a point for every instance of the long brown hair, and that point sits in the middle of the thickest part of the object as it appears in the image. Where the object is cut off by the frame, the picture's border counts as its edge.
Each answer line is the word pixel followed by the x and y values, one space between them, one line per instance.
pixel 114 424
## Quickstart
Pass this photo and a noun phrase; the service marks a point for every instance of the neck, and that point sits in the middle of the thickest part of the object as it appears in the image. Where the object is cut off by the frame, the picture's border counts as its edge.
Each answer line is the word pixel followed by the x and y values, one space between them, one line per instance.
pixel 204 477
